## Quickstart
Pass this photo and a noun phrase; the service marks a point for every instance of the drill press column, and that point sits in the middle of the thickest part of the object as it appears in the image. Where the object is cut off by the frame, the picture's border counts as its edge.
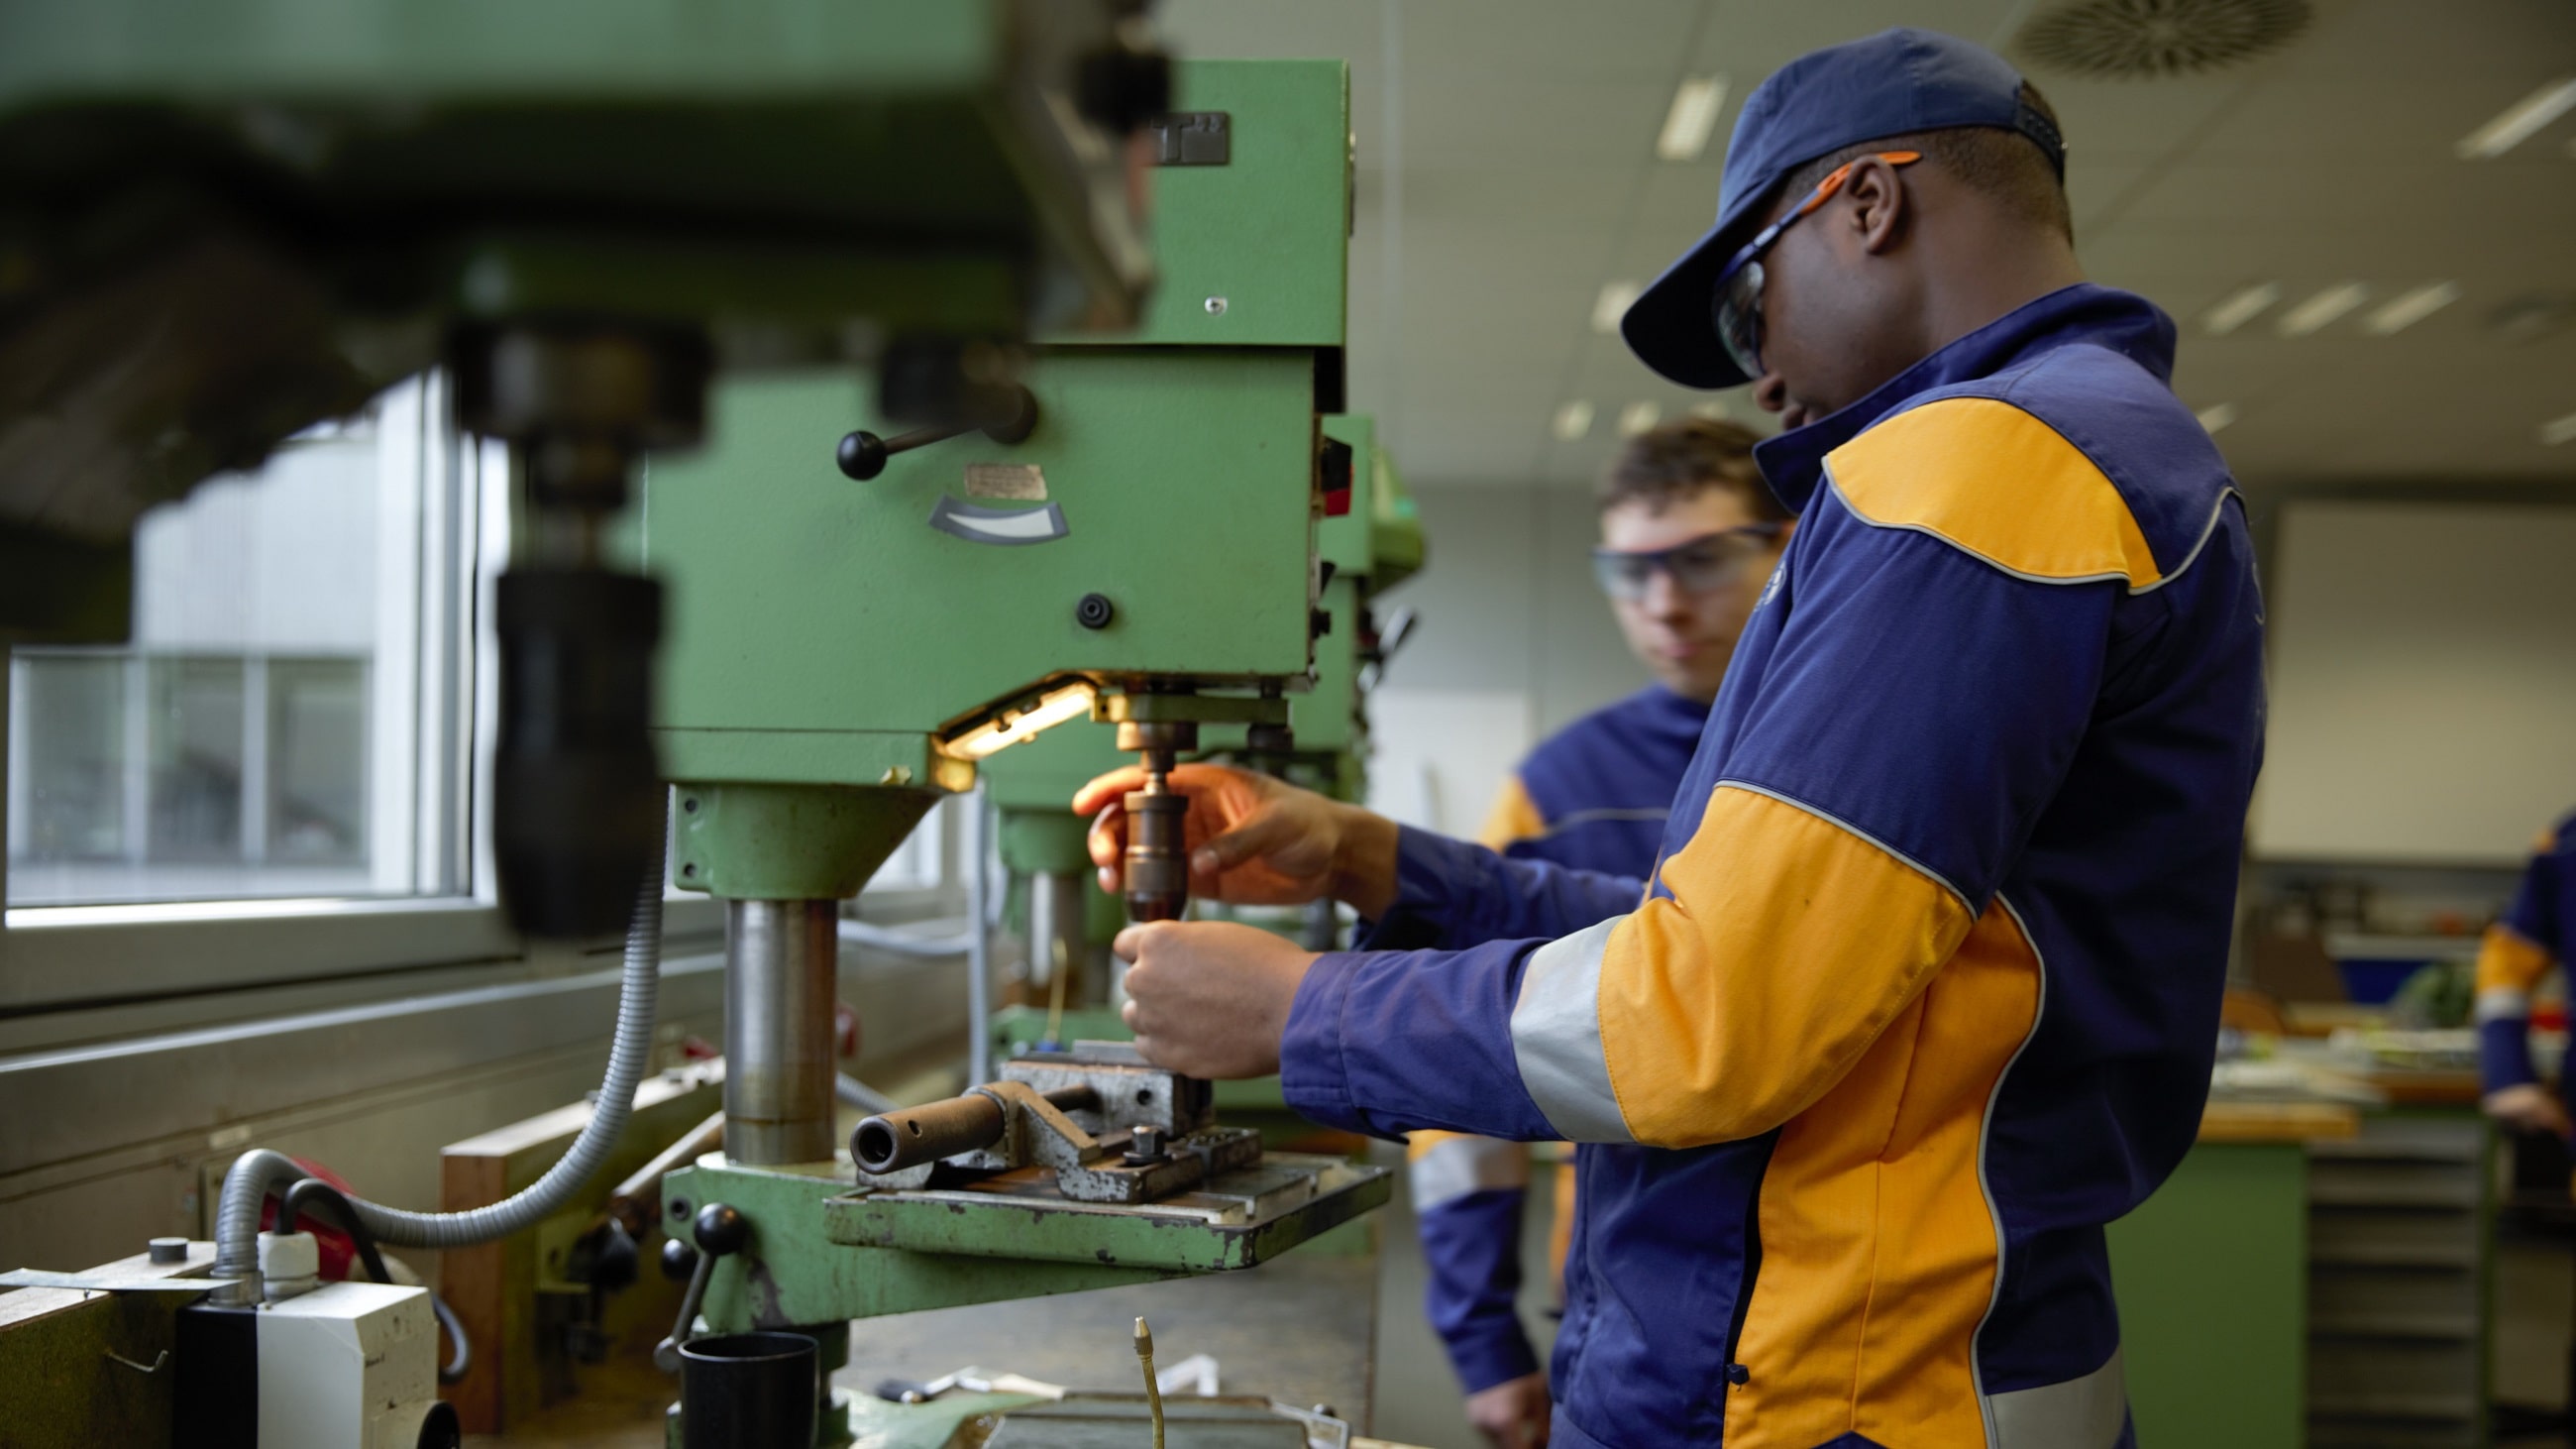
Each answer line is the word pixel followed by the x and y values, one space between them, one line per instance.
pixel 781 962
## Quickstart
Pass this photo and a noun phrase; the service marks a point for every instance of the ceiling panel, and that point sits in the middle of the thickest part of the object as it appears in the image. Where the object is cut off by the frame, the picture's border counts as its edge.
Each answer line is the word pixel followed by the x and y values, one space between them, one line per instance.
pixel 1527 180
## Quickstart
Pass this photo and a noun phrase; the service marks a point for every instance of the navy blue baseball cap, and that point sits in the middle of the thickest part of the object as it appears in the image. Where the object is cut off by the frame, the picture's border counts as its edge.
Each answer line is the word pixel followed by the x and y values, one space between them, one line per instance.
pixel 1892 84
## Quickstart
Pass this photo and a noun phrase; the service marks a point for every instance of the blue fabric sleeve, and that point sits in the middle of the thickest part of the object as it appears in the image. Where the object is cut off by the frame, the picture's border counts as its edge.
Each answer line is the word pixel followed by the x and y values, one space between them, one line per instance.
pixel 1472 1244
pixel 1390 1042
pixel 2504 1053
pixel 1452 894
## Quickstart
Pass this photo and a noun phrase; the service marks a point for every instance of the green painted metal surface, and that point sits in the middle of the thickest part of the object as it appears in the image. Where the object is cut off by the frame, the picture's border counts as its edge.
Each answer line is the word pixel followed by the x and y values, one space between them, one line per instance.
pixel 1026 1232
pixel 792 1273
pixel 1268 232
pixel 805 603
pixel 2211 1276
pixel 823 632
pixel 821 1253
pixel 789 842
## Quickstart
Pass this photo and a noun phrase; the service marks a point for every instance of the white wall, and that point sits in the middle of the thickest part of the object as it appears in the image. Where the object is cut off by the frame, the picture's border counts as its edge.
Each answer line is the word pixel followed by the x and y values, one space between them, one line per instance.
pixel 2423 673
pixel 1513 641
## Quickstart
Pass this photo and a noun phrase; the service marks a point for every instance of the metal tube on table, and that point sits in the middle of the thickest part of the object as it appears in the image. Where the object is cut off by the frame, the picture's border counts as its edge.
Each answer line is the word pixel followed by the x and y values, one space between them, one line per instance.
pixel 781 980
pixel 892 1141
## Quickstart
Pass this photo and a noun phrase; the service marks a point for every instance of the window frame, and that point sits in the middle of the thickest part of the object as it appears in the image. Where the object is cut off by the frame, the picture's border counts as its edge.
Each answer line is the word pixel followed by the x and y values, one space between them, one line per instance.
pixel 105 956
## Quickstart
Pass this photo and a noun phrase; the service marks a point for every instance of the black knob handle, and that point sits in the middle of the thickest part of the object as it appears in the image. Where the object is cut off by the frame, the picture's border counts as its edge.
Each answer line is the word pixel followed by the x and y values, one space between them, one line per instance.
pixel 862 455
pixel 1008 419
pixel 1094 611
pixel 679 1260
pixel 722 1229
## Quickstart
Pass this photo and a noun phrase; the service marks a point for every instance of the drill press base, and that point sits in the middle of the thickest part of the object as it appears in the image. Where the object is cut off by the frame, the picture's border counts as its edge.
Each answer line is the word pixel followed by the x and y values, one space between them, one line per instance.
pixel 820 1252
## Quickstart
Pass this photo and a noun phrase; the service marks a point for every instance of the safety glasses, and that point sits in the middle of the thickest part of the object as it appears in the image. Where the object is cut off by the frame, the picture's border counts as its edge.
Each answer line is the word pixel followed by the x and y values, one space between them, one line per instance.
pixel 1739 287
pixel 1696 566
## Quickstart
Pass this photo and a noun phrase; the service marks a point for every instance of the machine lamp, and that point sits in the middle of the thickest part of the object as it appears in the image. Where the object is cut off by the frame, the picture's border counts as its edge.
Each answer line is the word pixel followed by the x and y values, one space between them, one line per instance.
pixel 1019 721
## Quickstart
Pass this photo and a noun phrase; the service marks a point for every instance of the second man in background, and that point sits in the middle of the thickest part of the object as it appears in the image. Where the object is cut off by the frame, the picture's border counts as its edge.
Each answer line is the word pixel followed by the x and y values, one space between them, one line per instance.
pixel 1689 533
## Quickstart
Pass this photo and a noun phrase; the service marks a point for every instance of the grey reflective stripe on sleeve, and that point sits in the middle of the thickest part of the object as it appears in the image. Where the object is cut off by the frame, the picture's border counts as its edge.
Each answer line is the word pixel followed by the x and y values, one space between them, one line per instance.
pixel 2085 1413
pixel 1458 1166
pixel 2503 1003
pixel 1556 1037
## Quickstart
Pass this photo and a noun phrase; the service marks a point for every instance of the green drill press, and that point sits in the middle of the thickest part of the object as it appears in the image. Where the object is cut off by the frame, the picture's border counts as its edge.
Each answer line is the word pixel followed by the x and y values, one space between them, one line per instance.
pixel 1369 541
pixel 852 630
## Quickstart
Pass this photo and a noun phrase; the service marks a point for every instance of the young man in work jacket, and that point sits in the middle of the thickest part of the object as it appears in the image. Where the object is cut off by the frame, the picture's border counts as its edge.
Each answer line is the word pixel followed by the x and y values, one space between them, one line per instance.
pixel 1924 988
pixel 1689 533
pixel 2536 932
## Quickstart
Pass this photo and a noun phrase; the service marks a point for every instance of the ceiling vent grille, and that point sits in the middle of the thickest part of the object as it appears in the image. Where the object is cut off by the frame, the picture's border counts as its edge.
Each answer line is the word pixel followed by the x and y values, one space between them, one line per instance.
pixel 2151 39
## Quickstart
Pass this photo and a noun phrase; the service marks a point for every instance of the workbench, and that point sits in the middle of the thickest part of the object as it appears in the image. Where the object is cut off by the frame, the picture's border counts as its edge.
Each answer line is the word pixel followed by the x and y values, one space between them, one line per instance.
pixel 2212 1279
pixel 2316 1275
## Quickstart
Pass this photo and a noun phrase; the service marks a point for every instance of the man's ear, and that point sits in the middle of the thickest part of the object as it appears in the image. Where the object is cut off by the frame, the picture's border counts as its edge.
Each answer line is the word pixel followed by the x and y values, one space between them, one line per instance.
pixel 1880 207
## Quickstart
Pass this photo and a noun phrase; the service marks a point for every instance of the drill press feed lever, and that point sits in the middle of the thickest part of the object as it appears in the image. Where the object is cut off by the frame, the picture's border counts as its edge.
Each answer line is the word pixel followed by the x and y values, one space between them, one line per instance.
pixel 1105 1126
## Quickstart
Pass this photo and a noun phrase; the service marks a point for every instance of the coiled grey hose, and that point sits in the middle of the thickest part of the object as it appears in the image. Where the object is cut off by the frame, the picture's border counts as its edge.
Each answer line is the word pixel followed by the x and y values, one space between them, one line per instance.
pixel 257 1172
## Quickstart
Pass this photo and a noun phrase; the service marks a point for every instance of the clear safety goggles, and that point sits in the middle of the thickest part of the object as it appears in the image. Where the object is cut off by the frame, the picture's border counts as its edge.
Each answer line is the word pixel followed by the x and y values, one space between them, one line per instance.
pixel 1696 566
pixel 1738 295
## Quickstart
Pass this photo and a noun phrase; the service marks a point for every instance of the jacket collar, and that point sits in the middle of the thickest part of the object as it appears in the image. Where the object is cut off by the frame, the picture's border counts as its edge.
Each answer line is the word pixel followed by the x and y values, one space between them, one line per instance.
pixel 2124 322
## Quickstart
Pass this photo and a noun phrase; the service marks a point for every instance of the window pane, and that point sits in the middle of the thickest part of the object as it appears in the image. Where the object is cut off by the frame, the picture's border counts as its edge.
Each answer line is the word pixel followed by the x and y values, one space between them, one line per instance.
pixel 195 728
pixel 285 721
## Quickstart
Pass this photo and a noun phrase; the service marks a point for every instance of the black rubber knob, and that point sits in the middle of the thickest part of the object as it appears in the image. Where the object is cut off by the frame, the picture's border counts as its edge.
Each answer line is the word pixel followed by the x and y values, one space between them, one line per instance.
pixel 862 455
pixel 613 1263
pixel 721 1229
pixel 679 1260
pixel 1095 611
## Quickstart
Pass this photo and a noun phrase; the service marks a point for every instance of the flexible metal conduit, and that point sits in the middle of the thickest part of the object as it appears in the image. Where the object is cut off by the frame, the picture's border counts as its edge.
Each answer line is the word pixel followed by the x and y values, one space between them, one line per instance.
pixel 260 1171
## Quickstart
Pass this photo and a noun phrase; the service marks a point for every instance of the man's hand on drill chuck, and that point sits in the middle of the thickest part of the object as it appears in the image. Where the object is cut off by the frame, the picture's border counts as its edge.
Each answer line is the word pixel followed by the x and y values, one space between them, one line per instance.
pixel 1254 840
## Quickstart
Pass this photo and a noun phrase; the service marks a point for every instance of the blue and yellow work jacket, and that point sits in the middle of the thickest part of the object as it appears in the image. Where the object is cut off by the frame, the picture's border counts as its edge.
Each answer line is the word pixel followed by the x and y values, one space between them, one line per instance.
pixel 1594 796
pixel 1924 988
pixel 2537 931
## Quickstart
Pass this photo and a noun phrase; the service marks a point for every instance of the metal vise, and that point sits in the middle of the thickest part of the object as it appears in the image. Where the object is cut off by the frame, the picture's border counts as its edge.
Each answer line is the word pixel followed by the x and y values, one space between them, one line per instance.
pixel 1111 1127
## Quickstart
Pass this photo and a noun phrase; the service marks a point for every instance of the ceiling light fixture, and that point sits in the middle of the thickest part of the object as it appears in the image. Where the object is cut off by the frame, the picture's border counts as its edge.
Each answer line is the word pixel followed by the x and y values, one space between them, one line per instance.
pixel 2558 430
pixel 2517 122
pixel 1613 303
pixel 2408 308
pixel 2216 417
pixel 2240 307
pixel 1636 417
pixel 1573 420
pixel 2322 308
pixel 1692 117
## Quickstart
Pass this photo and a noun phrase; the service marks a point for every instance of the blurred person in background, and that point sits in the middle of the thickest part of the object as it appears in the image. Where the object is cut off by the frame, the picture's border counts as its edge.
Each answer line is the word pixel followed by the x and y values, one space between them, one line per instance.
pixel 1689 532
pixel 2536 932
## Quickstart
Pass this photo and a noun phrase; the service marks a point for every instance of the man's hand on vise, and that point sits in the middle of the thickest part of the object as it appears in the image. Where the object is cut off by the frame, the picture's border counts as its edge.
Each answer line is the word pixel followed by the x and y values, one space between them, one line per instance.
pixel 1210 998
pixel 1512 1414
pixel 2529 1107
pixel 1254 840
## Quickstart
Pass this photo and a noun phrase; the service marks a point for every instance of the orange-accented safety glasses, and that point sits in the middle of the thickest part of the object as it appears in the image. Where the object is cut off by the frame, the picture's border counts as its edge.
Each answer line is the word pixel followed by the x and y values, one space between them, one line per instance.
pixel 1739 287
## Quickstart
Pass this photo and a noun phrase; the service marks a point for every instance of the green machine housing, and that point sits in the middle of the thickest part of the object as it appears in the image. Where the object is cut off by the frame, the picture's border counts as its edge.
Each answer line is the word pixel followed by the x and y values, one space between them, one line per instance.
pixel 831 641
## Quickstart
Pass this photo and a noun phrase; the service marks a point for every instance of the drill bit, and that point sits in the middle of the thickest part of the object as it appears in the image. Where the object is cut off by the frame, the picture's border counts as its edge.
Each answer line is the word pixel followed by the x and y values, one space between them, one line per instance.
pixel 1153 1389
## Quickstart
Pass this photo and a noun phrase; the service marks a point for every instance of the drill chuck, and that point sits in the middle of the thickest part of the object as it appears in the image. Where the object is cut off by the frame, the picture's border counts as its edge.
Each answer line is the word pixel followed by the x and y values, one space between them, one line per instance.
pixel 577 795
pixel 1157 862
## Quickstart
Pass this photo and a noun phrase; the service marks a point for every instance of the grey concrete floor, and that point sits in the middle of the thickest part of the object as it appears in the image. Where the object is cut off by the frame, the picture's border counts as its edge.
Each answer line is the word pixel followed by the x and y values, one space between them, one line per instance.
pixel 1418 1401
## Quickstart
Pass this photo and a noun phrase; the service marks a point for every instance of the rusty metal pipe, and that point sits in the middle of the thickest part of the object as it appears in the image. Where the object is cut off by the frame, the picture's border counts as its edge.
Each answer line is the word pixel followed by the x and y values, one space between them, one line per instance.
pixel 892 1141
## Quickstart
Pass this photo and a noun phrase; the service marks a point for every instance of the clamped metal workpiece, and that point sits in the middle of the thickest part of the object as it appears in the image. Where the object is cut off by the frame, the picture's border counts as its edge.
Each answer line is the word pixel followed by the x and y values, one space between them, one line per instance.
pixel 1104 1125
